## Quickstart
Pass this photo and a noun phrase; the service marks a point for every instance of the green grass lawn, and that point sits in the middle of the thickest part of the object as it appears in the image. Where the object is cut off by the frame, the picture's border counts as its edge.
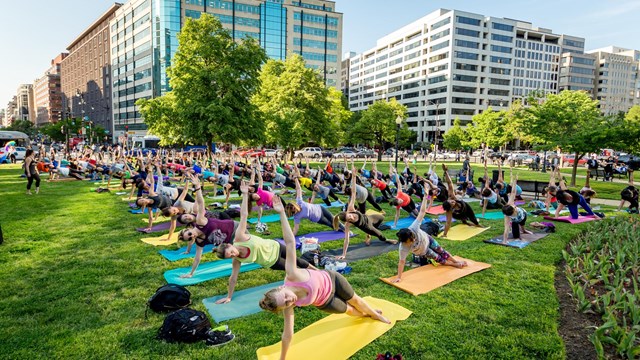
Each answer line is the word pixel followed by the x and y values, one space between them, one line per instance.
pixel 77 277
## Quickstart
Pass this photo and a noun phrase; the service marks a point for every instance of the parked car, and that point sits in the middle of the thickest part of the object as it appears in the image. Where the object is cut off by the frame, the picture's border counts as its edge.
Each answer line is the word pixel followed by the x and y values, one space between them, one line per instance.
pixel 327 153
pixel 272 152
pixel 438 156
pixel 242 152
pixel 346 153
pixel 256 153
pixel 570 159
pixel 312 152
pixel 367 153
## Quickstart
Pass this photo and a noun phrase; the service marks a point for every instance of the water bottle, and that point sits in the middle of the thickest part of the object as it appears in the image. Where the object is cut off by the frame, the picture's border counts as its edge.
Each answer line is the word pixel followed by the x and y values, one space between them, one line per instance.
pixel 316 260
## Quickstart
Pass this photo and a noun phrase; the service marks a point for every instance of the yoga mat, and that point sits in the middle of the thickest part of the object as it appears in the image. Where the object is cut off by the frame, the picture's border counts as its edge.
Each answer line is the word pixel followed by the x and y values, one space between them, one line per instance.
pixel 462 232
pixel 175 255
pixel 129 199
pixel 139 211
pixel 63 179
pixel 322 236
pixel 443 218
pixel 267 219
pixel 243 303
pixel 155 241
pixel 526 240
pixel 121 193
pixel 519 202
pixel 404 222
pixel 491 215
pixel 333 204
pixel 436 210
pixel 568 219
pixel 234 195
pixel 337 336
pixel 428 277
pixel 362 251
pixel 163 226
pixel 205 272
pixel 470 200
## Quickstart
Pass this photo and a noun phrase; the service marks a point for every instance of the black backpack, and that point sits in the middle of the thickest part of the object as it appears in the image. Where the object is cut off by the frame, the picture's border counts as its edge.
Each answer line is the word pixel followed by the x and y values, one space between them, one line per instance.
pixel 185 325
pixel 169 297
pixel 431 227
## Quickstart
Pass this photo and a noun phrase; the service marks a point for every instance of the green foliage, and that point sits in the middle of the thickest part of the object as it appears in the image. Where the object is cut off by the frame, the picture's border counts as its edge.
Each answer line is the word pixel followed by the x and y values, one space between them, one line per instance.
pixel 456 137
pixel 630 130
pixel 24 126
pixel 55 131
pixel 602 267
pixel 212 80
pixel 488 128
pixel 378 124
pixel 297 106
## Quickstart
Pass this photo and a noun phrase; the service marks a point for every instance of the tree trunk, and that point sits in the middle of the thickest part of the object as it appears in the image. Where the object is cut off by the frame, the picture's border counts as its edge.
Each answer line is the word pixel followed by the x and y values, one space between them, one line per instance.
pixel 574 171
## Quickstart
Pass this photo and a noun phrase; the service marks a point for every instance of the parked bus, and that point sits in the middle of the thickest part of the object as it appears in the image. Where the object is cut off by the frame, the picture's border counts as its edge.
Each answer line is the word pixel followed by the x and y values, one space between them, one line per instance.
pixel 13 144
pixel 145 142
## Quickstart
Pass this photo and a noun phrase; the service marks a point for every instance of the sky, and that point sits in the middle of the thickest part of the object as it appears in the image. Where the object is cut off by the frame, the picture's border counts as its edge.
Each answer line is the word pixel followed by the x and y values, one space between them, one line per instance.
pixel 34 32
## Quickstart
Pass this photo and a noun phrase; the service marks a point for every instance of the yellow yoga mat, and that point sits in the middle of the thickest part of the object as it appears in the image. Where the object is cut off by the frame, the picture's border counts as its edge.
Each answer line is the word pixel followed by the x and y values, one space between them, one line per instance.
pixel 155 221
pixel 463 232
pixel 155 241
pixel 428 277
pixel 337 336
pixel 133 199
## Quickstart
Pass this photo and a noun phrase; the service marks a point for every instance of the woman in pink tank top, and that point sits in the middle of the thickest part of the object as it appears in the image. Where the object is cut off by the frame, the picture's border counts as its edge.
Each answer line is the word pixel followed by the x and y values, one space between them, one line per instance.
pixel 326 290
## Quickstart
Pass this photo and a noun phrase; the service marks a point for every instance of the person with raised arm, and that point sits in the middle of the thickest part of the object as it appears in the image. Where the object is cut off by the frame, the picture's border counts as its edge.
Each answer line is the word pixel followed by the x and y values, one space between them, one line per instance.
pixel 303 210
pixel 456 209
pixel 490 200
pixel 327 290
pixel 570 199
pixel 514 217
pixel 403 201
pixel 323 192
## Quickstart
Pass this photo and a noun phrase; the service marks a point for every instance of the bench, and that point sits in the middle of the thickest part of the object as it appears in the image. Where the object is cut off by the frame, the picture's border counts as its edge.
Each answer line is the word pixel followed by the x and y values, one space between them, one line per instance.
pixel 534 187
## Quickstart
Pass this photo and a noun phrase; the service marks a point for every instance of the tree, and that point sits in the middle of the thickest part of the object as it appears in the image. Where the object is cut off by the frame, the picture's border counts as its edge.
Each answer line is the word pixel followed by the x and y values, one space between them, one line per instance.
pixel 339 114
pixel 378 124
pixel 297 106
pixel 455 138
pixel 212 79
pixel 488 128
pixel 569 120
pixel 629 130
pixel 24 126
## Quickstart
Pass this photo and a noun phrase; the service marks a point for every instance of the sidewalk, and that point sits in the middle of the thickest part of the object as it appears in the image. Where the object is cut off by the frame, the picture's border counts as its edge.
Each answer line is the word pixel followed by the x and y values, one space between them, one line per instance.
pixel 608 202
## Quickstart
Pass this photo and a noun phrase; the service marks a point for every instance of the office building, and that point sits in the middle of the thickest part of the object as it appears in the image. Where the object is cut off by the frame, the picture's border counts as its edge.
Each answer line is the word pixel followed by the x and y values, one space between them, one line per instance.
pixel 142 50
pixel 454 64
pixel 11 112
pixel 85 73
pixel 344 72
pixel 25 103
pixel 48 94
pixel 617 79
pixel 577 72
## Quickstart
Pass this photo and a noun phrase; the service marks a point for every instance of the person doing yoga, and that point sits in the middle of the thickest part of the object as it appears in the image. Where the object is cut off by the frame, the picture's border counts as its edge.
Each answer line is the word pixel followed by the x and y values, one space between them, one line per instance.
pixel 327 290
pixel 368 223
pixel 490 200
pixel 514 217
pixel 630 194
pixel 570 199
pixel 248 248
pixel 456 209
pixel 414 240
pixel 205 230
pixel 402 201
pixel 304 210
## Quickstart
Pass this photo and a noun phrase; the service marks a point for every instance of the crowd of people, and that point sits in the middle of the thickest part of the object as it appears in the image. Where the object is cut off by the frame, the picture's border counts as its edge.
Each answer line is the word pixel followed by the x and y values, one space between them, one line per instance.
pixel 172 184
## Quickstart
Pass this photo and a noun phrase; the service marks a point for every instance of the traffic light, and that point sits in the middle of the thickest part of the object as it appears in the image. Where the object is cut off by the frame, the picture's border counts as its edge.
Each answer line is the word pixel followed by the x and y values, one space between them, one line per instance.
pixel 126 128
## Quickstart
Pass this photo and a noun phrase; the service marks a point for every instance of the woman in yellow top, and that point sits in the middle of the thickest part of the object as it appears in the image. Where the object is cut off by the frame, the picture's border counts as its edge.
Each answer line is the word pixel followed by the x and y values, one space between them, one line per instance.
pixel 247 248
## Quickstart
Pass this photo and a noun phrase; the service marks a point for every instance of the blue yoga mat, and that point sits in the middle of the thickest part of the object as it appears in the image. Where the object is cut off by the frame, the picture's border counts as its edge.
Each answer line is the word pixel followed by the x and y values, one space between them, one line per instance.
pixel 404 222
pixel 494 215
pixel 175 255
pixel 443 218
pixel 139 211
pixel 322 236
pixel 244 302
pixel 205 272
pixel 333 204
pixel 526 240
pixel 267 219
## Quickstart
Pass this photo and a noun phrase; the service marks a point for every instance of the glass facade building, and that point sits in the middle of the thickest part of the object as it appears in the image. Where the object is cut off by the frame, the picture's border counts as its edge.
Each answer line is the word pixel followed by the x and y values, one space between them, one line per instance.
pixel 144 40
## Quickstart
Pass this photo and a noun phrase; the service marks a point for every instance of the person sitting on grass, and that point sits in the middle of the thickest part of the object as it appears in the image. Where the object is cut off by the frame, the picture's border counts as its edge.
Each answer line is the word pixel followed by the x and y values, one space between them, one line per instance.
pixel 630 194
pixel 456 209
pixel 514 217
pixel 368 223
pixel 247 248
pixel 414 240
pixel 327 290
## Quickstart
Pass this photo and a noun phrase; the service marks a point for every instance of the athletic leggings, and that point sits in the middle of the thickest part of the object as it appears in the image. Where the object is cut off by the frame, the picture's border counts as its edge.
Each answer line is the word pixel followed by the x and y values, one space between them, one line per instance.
pixel 374 221
pixel 326 218
pixel 280 264
pixel 30 179
pixel 573 209
pixel 515 227
pixel 466 214
pixel 434 251
pixel 362 207
pixel 332 194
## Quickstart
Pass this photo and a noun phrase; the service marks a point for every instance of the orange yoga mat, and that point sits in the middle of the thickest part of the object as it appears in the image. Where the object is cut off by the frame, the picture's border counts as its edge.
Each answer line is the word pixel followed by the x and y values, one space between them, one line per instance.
pixel 436 210
pixel 426 278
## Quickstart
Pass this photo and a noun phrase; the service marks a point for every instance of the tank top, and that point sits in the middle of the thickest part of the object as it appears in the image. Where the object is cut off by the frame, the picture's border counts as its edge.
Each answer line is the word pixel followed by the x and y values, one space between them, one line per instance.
pixel 379 184
pixel 404 198
pixel 266 198
pixel 519 215
pixel 216 232
pixel 262 252
pixel 319 288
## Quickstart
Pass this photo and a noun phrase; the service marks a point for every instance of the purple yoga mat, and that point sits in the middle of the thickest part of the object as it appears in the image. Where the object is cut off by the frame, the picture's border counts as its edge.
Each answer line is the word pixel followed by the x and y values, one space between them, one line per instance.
pixel 164 226
pixel 568 219
pixel 322 237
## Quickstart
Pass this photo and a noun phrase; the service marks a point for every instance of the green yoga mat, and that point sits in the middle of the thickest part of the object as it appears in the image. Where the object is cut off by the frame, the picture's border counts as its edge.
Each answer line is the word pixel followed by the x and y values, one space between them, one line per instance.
pixel 205 272
pixel 244 303
pixel 494 215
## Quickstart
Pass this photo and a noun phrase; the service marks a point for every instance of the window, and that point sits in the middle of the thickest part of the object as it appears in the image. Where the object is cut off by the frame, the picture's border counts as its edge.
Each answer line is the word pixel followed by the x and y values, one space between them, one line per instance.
pixel 467 44
pixel 411 75
pixel 465 55
pixel 412 65
pixel 500 60
pixel 462 112
pixel 467 20
pixel 500 71
pixel 466 101
pixel 464 89
pixel 498 92
pixel 467 32
pixel 573 43
pixel 443 33
pixel 439 57
pixel 577 70
pixel 437 79
pixel 503 38
pixel 314 31
pixel 411 56
pixel 502 49
pixel 438 68
pixel 441 23
pixel 467 78
pixel 411 46
pixel 411 85
pixel 438 90
pixel 467 67
pixel 411 95
pixel 499 81
pixel 584 61
pixel 192 14
pixel 314 43
pixel 504 27
pixel 439 46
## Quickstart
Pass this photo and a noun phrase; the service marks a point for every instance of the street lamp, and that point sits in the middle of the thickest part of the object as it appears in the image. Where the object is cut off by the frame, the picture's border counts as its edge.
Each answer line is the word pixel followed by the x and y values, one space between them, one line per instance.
pixel 398 123
pixel 436 133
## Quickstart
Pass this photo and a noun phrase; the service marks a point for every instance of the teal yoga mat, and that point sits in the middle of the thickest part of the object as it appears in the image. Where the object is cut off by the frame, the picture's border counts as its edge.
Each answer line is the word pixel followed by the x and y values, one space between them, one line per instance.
pixel 205 272
pixel 175 255
pixel 267 219
pixel 404 222
pixel 333 204
pixel 494 215
pixel 244 303
pixel 139 211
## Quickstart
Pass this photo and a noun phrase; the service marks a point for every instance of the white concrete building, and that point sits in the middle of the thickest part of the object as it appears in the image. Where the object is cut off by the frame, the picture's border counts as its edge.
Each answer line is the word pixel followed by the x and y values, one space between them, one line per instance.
pixel 617 79
pixel 452 64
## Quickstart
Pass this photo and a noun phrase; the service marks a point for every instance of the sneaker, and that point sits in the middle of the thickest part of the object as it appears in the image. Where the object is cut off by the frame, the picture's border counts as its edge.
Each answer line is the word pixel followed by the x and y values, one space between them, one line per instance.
pixel 217 338
pixel 221 328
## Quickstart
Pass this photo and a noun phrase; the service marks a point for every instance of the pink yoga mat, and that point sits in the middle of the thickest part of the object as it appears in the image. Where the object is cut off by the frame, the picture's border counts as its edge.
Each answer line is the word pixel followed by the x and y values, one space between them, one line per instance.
pixel 436 210
pixel 568 219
